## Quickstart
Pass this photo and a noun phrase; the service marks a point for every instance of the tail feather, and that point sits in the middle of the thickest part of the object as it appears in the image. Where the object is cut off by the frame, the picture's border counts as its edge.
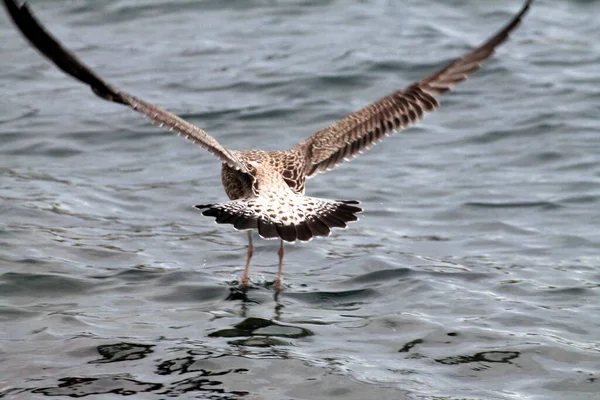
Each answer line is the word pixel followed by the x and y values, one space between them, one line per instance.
pixel 303 232
pixel 226 218
pixel 267 229
pixel 299 218
pixel 335 222
pixel 318 227
pixel 289 233
pixel 238 220
pixel 243 223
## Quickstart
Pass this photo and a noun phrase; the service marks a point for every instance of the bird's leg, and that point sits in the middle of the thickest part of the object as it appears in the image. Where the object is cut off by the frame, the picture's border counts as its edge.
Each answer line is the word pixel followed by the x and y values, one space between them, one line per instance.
pixel 245 281
pixel 279 281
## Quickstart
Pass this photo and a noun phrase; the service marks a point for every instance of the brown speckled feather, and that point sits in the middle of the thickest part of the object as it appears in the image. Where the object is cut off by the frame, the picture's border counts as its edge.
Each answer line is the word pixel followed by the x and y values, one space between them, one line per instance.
pixel 362 129
pixel 266 188
pixel 69 63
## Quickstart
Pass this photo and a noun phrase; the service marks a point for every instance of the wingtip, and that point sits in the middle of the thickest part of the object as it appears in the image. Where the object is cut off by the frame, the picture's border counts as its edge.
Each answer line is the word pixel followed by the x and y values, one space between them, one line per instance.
pixel 18 12
pixel 13 8
pixel 525 7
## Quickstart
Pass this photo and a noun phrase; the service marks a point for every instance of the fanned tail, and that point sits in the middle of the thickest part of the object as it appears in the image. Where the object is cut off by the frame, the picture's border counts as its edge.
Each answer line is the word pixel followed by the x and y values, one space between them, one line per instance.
pixel 301 218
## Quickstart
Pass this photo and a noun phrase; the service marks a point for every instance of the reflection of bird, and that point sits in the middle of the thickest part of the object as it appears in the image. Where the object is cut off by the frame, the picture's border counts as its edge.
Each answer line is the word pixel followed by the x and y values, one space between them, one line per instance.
pixel 266 188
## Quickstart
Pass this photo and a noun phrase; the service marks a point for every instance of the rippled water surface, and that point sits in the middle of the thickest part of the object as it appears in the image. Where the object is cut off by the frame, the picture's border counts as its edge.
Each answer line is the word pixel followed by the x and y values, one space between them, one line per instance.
pixel 473 273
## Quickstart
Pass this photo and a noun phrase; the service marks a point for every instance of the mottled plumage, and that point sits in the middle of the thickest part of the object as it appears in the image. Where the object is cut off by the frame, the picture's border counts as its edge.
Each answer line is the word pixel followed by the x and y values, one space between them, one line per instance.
pixel 270 198
pixel 266 188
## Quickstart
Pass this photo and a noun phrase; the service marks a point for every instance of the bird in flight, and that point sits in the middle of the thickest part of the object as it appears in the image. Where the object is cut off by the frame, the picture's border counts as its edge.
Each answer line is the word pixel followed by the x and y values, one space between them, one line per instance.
pixel 266 188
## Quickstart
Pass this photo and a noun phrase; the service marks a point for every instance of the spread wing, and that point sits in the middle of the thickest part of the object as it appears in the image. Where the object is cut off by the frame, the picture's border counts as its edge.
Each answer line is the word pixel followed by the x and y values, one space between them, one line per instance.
pixel 66 61
pixel 362 129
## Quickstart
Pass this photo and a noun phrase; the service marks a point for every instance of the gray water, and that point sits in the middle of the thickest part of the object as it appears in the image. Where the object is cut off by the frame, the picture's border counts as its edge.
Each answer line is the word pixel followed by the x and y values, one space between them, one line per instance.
pixel 473 273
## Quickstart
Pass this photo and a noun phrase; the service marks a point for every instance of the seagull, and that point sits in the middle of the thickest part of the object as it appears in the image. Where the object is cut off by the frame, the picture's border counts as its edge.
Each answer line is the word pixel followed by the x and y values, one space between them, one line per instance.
pixel 266 188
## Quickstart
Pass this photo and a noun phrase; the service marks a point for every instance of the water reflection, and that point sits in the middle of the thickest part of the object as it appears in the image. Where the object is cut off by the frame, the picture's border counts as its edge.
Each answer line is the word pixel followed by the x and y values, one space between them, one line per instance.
pixel 484 356
pixel 200 379
pixel 241 295
pixel 81 387
pixel 237 293
pixel 259 332
pixel 195 367
pixel 122 352
pixel 184 365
